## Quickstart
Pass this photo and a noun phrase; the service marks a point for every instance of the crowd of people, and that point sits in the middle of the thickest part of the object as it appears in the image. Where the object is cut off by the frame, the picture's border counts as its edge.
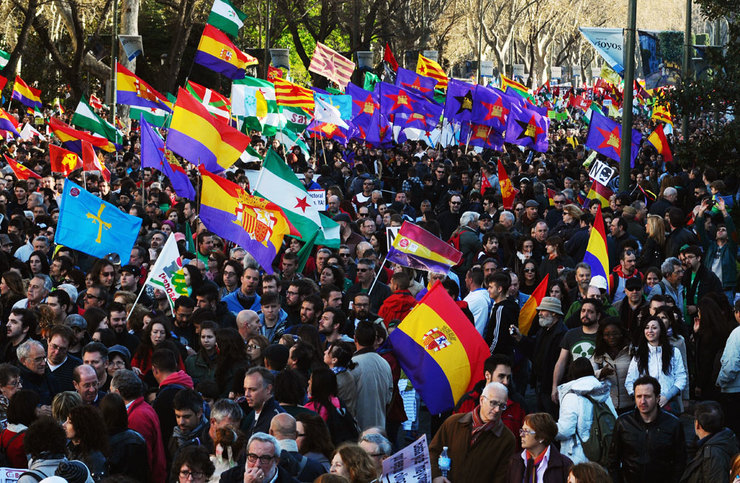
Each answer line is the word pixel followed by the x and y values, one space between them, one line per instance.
pixel 289 376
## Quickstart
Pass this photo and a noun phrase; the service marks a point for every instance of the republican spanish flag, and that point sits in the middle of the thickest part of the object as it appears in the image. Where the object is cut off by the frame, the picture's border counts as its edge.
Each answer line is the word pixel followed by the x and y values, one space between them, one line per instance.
pixel 596 253
pixel 20 171
pixel 429 68
pixel 202 139
pixel 599 192
pixel 25 94
pixel 63 161
pixel 439 350
pixel 415 247
pixel 219 54
pixel 252 222
pixel 72 138
pixel 529 309
pixel 8 123
pixel 132 91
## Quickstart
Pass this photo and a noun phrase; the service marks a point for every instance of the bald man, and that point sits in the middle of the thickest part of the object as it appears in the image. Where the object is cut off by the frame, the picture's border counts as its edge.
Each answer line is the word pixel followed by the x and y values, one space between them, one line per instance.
pixel 248 324
pixel 283 428
pixel 85 381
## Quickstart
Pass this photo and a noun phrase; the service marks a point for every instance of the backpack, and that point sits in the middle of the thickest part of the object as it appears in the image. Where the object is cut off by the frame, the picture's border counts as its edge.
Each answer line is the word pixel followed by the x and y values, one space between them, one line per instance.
pixel 596 447
pixel 4 461
pixel 35 474
pixel 342 425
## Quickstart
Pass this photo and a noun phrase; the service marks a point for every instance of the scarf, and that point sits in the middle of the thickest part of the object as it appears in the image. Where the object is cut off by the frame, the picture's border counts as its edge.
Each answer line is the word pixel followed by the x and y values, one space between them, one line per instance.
pixel 532 464
pixel 191 438
pixel 479 426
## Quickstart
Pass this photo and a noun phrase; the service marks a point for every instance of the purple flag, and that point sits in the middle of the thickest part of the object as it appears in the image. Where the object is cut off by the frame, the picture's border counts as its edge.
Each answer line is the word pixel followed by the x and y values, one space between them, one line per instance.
pixel 379 132
pixel 459 103
pixel 482 136
pixel 414 82
pixel 526 127
pixel 605 137
pixel 364 102
pixel 397 100
pixel 490 108
pixel 153 156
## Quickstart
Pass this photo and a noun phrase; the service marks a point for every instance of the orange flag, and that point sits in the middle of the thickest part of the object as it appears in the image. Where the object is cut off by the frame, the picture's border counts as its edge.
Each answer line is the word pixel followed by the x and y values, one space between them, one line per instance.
pixel 20 171
pixel 63 161
pixel 508 192
pixel 529 309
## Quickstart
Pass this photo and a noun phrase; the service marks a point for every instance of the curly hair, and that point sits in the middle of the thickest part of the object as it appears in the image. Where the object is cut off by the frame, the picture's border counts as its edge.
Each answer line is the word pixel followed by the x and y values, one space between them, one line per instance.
pixel 88 424
pixel 45 435
pixel 358 463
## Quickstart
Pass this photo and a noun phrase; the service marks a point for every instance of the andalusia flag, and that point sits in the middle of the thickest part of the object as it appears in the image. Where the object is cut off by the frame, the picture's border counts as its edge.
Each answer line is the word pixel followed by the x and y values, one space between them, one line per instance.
pixel 85 118
pixel 152 115
pixel 227 18
pixel 4 58
pixel 253 103
pixel 289 139
pixel 167 273
pixel 279 184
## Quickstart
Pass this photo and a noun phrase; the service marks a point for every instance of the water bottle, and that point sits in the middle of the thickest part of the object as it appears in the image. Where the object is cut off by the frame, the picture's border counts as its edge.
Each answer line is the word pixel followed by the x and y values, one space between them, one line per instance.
pixel 444 462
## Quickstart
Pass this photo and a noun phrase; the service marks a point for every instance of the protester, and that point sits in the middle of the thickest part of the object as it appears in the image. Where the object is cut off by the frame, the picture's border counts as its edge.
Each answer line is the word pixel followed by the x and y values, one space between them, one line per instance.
pixel 540 459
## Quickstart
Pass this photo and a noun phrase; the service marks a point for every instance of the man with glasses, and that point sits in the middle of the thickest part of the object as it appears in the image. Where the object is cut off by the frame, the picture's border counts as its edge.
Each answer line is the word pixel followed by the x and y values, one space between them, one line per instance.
pixel 377 447
pixel 697 278
pixel 365 278
pixel 262 463
pixel 631 306
pixel 625 270
pixel 449 219
pixel 60 363
pixel 475 437
pixel 95 296
pixel 555 213
pixel 283 428
pixel 365 196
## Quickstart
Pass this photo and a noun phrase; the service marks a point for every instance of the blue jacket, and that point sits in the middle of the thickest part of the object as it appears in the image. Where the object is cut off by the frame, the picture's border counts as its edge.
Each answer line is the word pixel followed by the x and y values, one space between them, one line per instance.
pixel 729 374
pixel 235 305
pixel 728 252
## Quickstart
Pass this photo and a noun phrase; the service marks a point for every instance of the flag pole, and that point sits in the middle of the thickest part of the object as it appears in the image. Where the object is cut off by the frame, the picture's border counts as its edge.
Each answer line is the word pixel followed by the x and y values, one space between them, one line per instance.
pixel 377 275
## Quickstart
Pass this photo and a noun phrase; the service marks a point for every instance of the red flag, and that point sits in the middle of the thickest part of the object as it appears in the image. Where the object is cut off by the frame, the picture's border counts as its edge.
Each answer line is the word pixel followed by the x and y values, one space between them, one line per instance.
pixel 484 184
pixel 508 192
pixel 274 73
pixel 388 57
pixel 91 161
pixel 95 102
pixel 3 81
pixel 63 161
pixel 20 171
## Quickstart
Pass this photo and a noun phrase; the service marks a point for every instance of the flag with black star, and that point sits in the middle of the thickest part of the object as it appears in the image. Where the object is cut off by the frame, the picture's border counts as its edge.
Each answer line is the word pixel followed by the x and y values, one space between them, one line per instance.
pixel 459 104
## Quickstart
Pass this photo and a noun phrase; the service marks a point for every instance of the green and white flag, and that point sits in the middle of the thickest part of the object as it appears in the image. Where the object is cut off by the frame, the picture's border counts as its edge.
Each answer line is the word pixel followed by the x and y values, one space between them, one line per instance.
pixel 250 155
pixel 152 115
pixel 279 184
pixel 289 139
pixel 4 58
pixel 294 119
pixel 227 18
pixel 85 118
pixel 254 105
pixel 167 272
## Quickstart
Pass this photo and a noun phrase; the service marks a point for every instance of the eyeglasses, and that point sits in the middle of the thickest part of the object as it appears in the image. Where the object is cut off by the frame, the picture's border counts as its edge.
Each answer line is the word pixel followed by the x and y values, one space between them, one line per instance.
pixel 252 347
pixel 524 432
pixel 300 435
pixel 455 202
pixel 363 269
pixel 558 202
pixel 292 293
pixel 15 383
pixel 194 474
pixel 264 459
pixel 68 280
pixel 91 296
pixel 501 405
pixel 529 270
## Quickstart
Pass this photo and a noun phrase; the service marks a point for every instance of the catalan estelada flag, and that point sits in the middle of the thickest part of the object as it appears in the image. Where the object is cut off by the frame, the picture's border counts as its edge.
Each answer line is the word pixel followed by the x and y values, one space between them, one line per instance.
pixel 596 253
pixel 599 192
pixel 529 309
pixel 132 91
pixel 439 350
pixel 202 139
pixel 20 171
pixel 255 224
pixel 71 138
pixel 658 139
pixel 8 122
pixel 219 54
pixel 25 94
pixel 429 68
pixel 415 247
pixel 292 95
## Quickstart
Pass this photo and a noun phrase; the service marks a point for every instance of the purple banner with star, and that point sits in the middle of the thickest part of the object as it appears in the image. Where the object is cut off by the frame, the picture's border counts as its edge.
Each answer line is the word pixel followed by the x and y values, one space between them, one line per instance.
pixel 490 108
pixel 415 82
pixel 605 137
pixel 459 103
pixel 527 128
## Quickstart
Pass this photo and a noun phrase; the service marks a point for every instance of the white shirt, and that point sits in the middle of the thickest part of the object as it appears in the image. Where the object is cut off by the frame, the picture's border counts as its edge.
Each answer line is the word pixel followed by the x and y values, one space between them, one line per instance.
pixel 479 303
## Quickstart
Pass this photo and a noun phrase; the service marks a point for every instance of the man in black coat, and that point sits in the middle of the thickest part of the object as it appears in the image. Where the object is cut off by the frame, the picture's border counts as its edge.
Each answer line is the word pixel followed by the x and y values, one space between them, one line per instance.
pixel 697 279
pixel 261 405
pixel 716 447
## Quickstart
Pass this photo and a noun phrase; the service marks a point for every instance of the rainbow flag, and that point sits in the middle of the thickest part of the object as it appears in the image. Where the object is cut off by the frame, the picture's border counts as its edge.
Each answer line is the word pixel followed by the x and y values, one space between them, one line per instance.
pixel 132 91
pixel 439 350
pixel 219 54
pixel 596 253
pixel 72 138
pixel 8 123
pixel 25 94
pixel 529 309
pixel 520 89
pixel 599 192
pixel 252 222
pixel 415 247
pixel 202 139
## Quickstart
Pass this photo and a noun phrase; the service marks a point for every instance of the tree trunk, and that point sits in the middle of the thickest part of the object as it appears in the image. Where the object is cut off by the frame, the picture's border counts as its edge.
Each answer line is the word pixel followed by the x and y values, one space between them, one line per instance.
pixel 9 70
pixel 182 34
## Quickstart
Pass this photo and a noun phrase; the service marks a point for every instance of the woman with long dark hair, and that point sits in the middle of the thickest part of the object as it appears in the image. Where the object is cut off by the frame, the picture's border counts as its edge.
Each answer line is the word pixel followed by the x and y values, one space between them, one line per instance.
pixel 611 360
pixel 656 357
pixel 322 392
pixel 88 441
pixel 156 335
pixel 338 356
pixel 231 358
pixel 11 291
pixel 314 440
pixel 202 365
pixel 38 263
pixel 711 330
pixel 256 346
pixel 21 414
pixel 528 278
pixel 127 447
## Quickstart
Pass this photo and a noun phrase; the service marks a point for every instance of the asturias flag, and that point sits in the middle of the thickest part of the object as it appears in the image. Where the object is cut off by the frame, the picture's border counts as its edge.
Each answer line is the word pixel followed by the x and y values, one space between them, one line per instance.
pixel 415 247
pixel 596 253
pixel 605 137
pixel 439 350
pixel 93 226
pixel 252 222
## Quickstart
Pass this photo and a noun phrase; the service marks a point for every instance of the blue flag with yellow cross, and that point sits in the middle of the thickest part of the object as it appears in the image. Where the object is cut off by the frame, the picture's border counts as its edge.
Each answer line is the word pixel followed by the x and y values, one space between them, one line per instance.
pixel 90 225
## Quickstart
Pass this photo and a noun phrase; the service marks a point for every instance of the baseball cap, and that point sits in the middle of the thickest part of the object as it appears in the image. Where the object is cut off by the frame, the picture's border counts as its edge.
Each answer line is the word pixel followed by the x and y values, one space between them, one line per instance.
pixel 531 204
pixel 121 351
pixel 130 269
pixel 75 321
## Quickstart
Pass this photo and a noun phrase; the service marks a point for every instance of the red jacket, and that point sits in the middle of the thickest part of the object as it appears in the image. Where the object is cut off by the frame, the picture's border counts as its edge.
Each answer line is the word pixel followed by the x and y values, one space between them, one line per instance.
pixel 397 306
pixel 14 449
pixel 143 420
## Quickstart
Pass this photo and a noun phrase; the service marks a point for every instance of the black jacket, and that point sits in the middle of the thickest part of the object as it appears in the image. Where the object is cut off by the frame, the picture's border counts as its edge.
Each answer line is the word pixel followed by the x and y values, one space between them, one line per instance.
pixel 270 409
pixel 705 282
pixel 503 315
pixel 645 452
pixel 711 463
pixel 127 452
pixel 45 386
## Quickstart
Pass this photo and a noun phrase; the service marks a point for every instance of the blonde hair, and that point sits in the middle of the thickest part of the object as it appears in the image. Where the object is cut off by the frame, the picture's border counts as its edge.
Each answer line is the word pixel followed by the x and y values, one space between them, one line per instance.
pixel 656 229
pixel 573 210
